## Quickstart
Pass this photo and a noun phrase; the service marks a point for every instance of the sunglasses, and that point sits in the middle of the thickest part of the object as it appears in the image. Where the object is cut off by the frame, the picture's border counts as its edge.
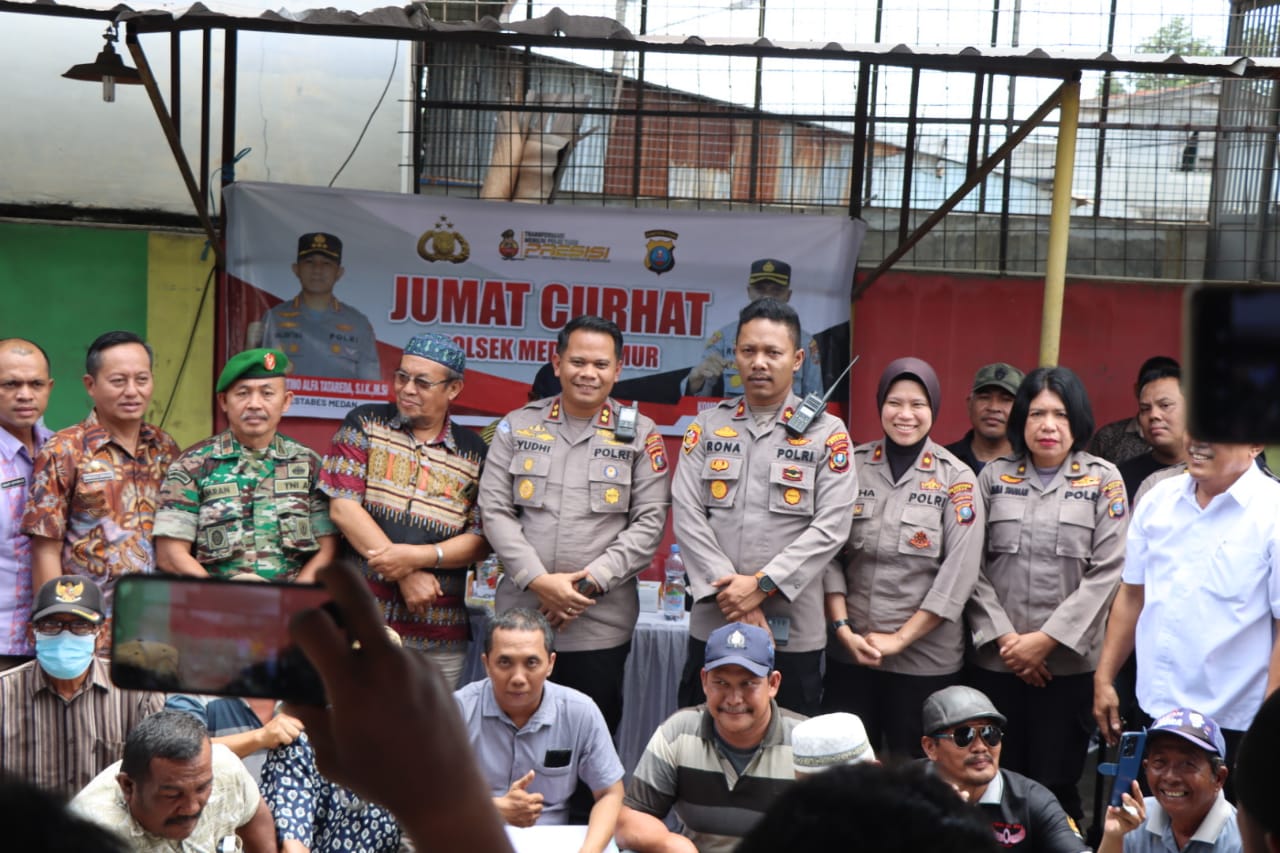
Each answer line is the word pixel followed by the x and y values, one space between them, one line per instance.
pixel 964 735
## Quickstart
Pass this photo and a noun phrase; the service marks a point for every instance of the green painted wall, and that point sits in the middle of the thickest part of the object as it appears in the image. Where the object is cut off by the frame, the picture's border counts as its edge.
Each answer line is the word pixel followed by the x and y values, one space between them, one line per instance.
pixel 63 285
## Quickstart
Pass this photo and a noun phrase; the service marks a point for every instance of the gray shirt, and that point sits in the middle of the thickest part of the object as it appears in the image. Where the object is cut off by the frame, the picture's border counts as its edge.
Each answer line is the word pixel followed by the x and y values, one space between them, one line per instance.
pixel 565 740
pixel 555 499
pixel 750 498
pixel 914 545
pixel 337 342
pixel 1053 558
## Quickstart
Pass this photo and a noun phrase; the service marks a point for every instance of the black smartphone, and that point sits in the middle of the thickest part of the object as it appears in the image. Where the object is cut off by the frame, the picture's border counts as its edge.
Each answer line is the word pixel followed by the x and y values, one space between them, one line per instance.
pixel 203 635
pixel 1128 764
pixel 1231 368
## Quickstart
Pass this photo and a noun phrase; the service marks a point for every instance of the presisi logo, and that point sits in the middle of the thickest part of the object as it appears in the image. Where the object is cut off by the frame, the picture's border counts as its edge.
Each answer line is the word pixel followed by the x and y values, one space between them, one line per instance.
pixel 555 246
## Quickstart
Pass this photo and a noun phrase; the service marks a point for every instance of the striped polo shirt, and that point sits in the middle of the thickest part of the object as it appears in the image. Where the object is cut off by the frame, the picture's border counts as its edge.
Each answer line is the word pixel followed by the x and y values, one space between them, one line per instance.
pixel 684 768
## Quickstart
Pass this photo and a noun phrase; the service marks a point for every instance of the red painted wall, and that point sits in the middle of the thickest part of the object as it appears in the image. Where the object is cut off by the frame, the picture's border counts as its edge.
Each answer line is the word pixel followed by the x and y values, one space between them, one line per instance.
pixel 958 323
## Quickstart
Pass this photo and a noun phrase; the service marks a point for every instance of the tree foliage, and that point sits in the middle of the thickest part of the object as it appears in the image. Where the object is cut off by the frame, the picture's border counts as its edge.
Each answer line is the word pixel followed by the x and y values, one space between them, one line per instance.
pixel 1173 37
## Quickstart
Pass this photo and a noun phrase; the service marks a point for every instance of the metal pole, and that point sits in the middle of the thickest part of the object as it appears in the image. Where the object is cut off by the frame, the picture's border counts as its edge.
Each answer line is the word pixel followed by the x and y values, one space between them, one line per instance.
pixel 984 168
pixel 175 145
pixel 1055 274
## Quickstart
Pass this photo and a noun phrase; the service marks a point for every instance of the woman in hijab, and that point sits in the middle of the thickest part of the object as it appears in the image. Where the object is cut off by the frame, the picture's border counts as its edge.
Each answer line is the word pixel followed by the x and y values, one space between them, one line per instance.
pixel 912 561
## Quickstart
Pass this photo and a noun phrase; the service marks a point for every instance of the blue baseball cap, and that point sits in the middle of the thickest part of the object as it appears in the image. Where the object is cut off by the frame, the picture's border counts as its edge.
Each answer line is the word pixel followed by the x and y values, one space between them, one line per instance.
pixel 749 646
pixel 1192 726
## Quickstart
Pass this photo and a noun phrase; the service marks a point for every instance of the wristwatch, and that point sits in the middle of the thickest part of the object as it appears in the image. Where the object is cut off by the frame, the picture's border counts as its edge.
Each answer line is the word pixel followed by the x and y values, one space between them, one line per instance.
pixel 837 624
pixel 765 584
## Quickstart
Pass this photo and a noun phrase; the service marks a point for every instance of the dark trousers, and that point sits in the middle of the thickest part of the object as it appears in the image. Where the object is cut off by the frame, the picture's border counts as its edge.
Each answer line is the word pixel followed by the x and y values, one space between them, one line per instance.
pixel 888 703
pixel 598 674
pixel 1047 736
pixel 800 691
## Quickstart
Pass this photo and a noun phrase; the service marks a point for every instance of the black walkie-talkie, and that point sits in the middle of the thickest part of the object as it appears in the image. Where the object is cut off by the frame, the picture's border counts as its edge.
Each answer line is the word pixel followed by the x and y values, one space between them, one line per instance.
pixel 814 405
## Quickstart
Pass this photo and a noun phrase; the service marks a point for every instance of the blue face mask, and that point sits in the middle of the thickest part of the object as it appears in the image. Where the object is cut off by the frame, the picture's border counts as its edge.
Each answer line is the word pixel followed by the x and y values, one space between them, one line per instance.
pixel 65 655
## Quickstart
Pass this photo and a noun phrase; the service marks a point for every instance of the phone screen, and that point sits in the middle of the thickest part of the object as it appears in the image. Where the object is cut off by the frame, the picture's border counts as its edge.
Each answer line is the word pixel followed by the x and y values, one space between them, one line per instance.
pixel 1232 364
pixel 196 635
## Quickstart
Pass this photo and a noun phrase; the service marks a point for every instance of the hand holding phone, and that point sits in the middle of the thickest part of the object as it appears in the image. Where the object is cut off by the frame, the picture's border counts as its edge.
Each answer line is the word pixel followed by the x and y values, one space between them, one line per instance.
pixel 391 715
pixel 1127 766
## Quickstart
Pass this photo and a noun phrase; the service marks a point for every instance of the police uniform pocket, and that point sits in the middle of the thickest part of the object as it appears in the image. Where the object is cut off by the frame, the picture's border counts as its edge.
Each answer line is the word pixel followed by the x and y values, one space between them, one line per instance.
pixel 864 512
pixel 610 483
pixel 720 476
pixel 791 488
pixel 1004 526
pixel 921 532
pixel 1075 528
pixel 529 478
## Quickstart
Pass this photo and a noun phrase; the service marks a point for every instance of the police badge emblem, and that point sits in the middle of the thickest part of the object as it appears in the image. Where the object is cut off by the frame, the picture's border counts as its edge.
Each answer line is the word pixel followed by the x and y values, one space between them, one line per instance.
pixel 660 256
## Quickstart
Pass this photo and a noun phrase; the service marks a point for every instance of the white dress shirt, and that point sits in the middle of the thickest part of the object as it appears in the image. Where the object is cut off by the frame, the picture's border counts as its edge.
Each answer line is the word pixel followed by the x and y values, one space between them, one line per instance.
pixel 1211 579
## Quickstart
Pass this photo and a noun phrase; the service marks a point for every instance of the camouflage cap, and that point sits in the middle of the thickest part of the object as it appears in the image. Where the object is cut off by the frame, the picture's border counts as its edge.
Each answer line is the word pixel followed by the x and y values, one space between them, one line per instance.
pixel 998 375
pixel 252 364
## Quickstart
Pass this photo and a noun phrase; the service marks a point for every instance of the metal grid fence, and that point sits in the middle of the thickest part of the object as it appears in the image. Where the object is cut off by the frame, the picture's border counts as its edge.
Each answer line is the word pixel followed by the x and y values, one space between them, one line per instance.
pixel 1174 176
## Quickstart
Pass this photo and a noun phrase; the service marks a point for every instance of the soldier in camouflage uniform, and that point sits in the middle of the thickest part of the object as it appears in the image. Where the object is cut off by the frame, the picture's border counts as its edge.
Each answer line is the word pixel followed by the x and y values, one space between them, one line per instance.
pixel 245 501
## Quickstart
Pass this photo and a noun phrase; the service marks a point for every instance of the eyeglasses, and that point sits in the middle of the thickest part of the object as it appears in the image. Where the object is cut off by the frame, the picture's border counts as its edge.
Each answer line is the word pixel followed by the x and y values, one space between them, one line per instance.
pixel 422 383
pixel 52 627
pixel 963 736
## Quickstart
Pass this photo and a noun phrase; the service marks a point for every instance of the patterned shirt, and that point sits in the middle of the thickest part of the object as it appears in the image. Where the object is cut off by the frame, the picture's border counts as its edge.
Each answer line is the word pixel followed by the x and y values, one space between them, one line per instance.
pixel 99 500
pixel 338 341
pixel 232 804
pixel 15 548
pixel 60 744
pixel 418 494
pixel 321 815
pixel 245 510
pixel 685 768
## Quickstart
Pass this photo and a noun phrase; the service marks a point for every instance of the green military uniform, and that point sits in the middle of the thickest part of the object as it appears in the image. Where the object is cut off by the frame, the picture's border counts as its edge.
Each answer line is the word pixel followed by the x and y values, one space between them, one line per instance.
pixel 244 510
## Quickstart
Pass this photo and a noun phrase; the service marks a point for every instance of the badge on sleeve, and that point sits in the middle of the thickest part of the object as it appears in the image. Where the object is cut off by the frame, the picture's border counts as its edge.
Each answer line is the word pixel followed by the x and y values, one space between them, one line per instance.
pixel 657 456
pixel 961 495
pixel 1114 493
pixel 838 446
pixel 692 436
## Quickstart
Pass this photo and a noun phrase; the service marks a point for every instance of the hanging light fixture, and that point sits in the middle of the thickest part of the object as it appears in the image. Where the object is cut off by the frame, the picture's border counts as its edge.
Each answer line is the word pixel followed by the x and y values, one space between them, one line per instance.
pixel 108 67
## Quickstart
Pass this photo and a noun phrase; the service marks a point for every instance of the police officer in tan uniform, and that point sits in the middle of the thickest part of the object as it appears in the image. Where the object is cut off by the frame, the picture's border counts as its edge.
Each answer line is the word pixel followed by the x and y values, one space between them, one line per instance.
pixel 760 512
pixel 914 548
pixel 576 510
pixel 1056 525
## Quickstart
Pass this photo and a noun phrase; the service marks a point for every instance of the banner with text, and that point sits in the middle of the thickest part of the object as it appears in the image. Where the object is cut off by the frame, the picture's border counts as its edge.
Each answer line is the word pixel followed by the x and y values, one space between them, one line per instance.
pixel 341 279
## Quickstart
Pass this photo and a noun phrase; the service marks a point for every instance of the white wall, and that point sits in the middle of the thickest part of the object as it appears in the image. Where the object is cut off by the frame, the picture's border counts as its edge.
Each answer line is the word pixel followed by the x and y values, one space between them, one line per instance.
pixel 302 102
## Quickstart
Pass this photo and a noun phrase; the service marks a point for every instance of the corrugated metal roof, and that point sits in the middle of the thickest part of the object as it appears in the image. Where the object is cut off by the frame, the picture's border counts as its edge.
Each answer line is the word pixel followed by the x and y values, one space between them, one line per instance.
pixel 560 29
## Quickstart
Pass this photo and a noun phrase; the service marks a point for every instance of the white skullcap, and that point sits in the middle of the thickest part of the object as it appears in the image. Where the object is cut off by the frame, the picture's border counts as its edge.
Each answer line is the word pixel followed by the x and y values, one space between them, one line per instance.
pixel 829 741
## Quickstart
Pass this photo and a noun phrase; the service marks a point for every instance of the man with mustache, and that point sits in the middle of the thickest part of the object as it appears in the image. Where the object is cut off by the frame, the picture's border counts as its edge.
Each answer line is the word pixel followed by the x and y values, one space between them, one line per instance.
pixel 174 790
pixel 575 506
pixel 962 739
pixel 246 501
pixel 990 402
pixel 1200 596
pixel 719 766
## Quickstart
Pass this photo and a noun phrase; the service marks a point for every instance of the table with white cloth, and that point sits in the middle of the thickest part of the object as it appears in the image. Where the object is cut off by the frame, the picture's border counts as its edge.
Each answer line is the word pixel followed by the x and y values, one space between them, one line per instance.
pixel 649 683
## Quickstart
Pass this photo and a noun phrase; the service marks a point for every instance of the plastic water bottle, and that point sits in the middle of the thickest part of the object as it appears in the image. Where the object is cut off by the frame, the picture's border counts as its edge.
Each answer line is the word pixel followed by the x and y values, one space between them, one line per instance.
pixel 673 586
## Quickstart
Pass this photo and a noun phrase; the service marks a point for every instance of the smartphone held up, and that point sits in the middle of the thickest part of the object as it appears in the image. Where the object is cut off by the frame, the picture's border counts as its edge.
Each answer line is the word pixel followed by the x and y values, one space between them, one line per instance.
pixel 211 636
